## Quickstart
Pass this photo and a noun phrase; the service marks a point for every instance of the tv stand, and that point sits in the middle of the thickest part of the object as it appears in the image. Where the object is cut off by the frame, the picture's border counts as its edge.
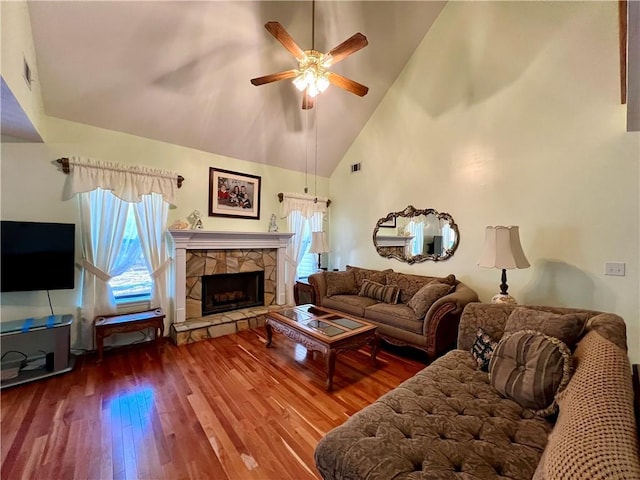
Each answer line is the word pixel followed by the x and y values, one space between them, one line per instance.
pixel 41 342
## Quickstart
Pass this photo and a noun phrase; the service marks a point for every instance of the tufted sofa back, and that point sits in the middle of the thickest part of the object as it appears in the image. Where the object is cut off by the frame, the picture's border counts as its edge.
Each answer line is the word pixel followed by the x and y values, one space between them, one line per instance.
pixel 493 317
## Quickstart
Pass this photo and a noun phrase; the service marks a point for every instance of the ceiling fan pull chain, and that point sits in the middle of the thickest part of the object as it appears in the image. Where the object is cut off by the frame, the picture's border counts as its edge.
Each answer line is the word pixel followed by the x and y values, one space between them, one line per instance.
pixel 313 24
pixel 315 172
pixel 306 150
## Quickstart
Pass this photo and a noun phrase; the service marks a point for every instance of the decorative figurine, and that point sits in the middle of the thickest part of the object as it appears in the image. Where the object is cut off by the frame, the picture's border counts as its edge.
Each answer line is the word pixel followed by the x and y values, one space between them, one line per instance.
pixel 179 225
pixel 272 225
pixel 196 217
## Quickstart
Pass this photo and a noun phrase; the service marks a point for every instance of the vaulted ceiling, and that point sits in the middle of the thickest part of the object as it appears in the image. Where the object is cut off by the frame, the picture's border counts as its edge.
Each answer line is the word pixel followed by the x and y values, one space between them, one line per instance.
pixel 179 71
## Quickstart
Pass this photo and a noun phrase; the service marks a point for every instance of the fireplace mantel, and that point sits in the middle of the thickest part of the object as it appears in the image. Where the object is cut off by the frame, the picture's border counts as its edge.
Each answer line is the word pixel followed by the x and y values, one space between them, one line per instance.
pixel 204 239
pixel 210 240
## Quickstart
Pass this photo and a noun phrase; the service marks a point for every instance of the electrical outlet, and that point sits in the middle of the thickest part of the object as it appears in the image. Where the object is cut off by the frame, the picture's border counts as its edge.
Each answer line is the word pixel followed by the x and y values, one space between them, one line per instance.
pixel 614 268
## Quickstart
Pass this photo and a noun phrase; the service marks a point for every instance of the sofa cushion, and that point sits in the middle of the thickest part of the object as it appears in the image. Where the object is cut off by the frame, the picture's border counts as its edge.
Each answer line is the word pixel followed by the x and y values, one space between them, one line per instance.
pixel 530 368
pixel 351 304
pixel 410 284
pixel 377 291
pixel 398 315
pixel 426 296
pixel 362 274
pixel 483 348
pixel 445 422
pixel 567 327
pixel 340 283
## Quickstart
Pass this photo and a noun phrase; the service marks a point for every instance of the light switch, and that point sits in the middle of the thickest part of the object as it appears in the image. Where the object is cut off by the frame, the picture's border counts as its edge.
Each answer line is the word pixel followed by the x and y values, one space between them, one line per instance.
pixel 614 268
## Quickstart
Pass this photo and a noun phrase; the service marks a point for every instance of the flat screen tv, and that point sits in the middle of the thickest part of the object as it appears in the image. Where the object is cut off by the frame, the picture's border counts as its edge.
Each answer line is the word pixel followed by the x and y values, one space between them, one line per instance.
pixel 36 256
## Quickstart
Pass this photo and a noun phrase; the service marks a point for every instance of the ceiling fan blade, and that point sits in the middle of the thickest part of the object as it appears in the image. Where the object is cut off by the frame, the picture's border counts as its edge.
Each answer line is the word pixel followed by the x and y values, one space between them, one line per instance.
pixel 346 48
pixel 274 77
pixel 348 84
pixel 307 101
pixel 278 31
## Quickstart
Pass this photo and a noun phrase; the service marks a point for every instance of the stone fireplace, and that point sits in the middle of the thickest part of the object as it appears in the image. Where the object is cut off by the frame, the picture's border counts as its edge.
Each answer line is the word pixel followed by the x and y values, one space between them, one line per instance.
pixel 200 252
pixel 225 280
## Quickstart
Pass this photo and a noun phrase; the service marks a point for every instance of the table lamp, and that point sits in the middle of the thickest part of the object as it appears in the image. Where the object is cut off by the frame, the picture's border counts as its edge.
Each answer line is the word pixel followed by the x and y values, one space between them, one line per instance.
pixel 319 245
pixel 502 250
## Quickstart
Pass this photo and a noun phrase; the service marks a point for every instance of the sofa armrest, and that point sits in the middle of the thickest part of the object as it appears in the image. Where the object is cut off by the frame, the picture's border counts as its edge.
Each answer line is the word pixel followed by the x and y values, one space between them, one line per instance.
pixel 491 317
pixel 442 319
pixel 319 283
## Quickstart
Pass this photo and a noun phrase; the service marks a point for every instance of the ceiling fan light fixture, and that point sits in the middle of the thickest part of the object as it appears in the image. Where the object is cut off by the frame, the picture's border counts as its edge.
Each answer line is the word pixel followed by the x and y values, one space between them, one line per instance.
pixel 312 90
pixel 322 82
pixel 299 82
pixel 312 75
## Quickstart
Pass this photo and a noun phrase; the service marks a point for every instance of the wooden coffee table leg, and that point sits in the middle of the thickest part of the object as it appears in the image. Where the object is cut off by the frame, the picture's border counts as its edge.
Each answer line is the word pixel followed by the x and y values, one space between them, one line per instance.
pixel 375 347
pixel 330 358
pixel 269 331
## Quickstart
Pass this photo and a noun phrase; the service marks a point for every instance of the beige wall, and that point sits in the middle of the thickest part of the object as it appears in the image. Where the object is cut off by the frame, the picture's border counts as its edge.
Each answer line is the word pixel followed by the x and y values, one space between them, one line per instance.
pixel 508 114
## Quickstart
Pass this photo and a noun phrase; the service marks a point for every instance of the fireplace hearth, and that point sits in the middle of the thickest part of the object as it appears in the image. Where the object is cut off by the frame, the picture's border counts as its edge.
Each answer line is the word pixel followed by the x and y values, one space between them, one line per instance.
pixel 232 291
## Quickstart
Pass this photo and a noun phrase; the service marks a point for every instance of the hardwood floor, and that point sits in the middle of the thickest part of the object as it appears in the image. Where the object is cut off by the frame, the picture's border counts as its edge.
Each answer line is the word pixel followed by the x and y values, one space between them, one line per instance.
pixel 226 408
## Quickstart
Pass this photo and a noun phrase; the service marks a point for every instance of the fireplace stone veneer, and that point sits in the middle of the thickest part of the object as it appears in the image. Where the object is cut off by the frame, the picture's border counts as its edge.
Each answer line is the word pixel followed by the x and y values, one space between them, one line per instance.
pixel 201 252
pixel 202 263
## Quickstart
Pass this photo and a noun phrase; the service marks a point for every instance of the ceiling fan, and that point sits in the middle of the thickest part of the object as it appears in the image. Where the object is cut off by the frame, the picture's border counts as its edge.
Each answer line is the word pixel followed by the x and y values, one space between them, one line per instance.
pixel 312 76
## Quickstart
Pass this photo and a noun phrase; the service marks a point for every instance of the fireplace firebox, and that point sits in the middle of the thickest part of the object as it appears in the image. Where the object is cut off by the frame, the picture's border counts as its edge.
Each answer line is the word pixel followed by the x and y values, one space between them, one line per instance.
pixel 232 291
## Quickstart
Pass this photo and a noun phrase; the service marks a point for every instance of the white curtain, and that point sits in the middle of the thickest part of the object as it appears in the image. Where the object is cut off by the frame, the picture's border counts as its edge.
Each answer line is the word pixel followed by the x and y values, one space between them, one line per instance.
pixel 296 223
pixel 105 193
pixel 307 205
pixel 299 209
pixel 127 182
pixel 103 217
pixel 416 245
pixel 151 217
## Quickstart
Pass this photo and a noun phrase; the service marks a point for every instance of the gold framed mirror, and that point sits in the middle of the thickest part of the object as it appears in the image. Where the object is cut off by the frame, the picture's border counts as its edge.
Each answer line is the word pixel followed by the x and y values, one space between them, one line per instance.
pixel 415 235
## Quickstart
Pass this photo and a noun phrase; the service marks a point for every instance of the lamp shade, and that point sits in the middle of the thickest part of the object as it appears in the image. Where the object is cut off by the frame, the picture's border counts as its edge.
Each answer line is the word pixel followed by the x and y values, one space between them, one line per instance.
pixel 502 249
pixel 319 242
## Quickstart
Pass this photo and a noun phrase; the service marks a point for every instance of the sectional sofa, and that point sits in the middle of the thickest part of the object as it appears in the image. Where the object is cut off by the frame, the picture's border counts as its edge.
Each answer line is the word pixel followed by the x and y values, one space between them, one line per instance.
pixel 557 402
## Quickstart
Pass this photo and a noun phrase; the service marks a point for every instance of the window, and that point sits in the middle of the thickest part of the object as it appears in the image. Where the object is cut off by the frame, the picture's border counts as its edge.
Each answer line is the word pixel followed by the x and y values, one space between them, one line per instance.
pixel 134 283
pixel 309 262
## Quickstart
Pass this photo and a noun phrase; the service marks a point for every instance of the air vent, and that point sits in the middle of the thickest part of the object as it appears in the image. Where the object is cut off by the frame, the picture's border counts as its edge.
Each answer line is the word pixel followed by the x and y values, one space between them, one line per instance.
pixel 356 167
pixel 27 73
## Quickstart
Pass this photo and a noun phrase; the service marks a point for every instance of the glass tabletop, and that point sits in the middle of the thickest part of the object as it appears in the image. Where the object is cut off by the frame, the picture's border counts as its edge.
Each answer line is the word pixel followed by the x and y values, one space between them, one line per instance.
pixel 320 320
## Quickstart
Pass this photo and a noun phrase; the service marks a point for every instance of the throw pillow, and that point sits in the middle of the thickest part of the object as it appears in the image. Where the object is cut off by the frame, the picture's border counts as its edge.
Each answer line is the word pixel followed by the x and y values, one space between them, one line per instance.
pixel 483 348
pixel 409 284
pixel 567 327
pixel 531 368
pixel 377 291
pixel 340 283
pixel 362 274
pixel 449 279
pixel 426 296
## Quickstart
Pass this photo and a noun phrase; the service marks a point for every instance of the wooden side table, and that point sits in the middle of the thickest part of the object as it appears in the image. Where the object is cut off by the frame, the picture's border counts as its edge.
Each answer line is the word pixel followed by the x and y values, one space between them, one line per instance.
pixel 303 293
pixel 129 322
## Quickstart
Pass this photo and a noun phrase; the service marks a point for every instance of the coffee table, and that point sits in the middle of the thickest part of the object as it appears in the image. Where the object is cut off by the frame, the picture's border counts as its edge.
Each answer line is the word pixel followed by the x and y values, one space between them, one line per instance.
pixel 323 330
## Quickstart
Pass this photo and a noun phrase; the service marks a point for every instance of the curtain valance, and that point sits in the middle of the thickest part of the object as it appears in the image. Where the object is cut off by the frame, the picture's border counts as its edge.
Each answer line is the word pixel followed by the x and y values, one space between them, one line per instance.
pixel 306 204
pixel 127 182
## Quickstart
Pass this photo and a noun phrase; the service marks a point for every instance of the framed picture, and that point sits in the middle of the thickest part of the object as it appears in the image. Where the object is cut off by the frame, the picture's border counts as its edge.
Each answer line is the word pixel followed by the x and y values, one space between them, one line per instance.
pixel 389 223
pixel 234 194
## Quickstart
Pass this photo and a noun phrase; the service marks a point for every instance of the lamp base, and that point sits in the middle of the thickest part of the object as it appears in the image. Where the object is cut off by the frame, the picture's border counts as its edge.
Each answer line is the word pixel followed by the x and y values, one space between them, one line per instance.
pixel 504 299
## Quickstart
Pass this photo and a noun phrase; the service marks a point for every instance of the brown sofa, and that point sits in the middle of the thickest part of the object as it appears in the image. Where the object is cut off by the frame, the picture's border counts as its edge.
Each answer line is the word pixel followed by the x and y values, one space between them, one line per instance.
pixel 432 324
pixel 448 421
